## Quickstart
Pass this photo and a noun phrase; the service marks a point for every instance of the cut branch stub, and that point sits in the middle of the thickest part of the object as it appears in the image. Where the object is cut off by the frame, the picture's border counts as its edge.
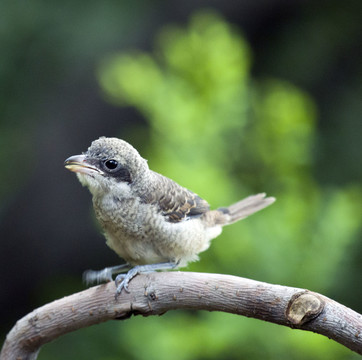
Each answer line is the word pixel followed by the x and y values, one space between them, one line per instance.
pixel 303 307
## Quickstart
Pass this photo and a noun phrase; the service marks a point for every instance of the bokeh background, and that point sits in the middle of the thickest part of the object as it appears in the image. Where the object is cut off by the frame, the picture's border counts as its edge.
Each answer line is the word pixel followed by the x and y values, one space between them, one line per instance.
pixel 228 98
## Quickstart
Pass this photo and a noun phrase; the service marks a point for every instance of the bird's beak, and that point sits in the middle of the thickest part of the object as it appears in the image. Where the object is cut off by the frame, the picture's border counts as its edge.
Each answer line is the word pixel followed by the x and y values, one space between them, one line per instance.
pixel 79 163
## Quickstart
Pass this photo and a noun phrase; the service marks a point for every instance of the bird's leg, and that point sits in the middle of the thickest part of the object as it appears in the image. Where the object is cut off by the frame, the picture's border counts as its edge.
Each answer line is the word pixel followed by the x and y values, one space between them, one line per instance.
pixel 105 275
pixel 122 280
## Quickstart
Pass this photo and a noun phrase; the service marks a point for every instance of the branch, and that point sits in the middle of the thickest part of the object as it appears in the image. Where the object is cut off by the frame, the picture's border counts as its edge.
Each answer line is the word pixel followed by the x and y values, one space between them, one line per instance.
pixel 157 293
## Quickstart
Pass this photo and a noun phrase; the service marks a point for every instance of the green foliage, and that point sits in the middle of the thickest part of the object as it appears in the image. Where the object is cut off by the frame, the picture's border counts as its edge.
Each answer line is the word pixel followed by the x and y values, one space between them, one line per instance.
pixel 192 91
pixel 218 131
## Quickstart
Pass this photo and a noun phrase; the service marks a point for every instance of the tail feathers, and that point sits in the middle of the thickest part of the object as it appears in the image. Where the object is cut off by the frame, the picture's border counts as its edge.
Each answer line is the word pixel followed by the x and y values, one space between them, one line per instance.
pixel 247 206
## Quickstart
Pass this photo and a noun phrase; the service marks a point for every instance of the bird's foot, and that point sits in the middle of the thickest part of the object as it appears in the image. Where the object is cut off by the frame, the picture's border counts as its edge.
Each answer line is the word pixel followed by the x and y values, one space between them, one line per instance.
pixel 92 276
pixel 122 280
pixel 105 275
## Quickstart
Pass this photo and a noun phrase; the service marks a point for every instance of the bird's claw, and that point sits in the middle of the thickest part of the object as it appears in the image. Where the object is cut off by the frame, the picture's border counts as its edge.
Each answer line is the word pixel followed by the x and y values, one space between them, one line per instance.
pixel 122 281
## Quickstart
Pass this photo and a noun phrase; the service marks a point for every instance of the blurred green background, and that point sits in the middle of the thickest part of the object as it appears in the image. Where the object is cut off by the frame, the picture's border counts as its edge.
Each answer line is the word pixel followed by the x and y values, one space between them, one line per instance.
pixel 226 98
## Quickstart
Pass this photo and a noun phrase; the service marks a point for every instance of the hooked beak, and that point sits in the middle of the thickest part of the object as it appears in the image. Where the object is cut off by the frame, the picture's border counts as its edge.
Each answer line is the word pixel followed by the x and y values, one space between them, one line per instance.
pixel 79 164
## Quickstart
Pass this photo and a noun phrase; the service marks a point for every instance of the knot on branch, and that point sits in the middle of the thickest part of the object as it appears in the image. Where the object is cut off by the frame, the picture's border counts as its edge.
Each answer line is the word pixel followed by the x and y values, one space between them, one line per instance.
pixel 303 307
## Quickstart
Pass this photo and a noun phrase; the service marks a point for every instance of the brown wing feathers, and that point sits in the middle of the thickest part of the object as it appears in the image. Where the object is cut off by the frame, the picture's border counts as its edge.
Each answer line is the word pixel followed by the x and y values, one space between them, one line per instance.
pixel 178 203
pixel 175 202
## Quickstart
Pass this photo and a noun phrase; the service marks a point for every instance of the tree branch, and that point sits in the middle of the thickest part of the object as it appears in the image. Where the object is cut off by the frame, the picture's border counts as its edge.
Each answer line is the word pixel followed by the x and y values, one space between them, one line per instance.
pixel 157 293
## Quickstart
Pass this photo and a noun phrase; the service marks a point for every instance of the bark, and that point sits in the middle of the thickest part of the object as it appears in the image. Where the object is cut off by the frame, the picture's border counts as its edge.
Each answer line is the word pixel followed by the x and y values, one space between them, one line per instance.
pixel 157 293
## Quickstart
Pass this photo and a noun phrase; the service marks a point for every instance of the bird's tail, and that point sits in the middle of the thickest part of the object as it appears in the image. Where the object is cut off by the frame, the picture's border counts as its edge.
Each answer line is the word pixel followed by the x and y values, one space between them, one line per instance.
pixel 246 207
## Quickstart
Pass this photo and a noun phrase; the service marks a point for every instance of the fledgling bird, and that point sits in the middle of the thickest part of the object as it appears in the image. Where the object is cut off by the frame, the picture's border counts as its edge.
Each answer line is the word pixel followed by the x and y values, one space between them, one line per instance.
pixel 148 219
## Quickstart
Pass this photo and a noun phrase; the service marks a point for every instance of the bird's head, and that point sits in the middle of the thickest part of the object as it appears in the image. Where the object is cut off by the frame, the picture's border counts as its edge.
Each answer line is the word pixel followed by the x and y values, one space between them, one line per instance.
pixel 107 164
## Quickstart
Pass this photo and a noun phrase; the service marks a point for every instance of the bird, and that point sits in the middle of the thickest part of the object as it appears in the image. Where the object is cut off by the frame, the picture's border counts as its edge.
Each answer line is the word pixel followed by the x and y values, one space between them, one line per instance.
pixel 149 220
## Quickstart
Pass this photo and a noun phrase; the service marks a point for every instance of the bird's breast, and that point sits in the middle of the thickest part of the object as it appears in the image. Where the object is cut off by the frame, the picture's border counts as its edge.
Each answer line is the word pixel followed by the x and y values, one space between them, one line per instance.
pixel 140 234
pixel 126 224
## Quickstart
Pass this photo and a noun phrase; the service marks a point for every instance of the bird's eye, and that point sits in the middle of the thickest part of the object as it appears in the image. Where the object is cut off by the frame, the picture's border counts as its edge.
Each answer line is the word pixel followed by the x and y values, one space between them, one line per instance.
pixel 112 168
pixel 111 164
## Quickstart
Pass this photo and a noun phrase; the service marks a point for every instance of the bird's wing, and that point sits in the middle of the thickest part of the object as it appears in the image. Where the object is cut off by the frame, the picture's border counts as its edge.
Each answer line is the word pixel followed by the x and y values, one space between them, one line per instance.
pixel 174 201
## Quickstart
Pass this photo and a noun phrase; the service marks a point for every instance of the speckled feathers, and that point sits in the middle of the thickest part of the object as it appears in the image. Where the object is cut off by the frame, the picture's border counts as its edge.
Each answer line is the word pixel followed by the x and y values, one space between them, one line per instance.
pixel 148 218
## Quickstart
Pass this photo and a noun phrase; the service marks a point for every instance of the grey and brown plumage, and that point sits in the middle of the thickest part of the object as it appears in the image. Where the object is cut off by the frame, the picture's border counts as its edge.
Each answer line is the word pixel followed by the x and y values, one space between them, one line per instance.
pixel 148 219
